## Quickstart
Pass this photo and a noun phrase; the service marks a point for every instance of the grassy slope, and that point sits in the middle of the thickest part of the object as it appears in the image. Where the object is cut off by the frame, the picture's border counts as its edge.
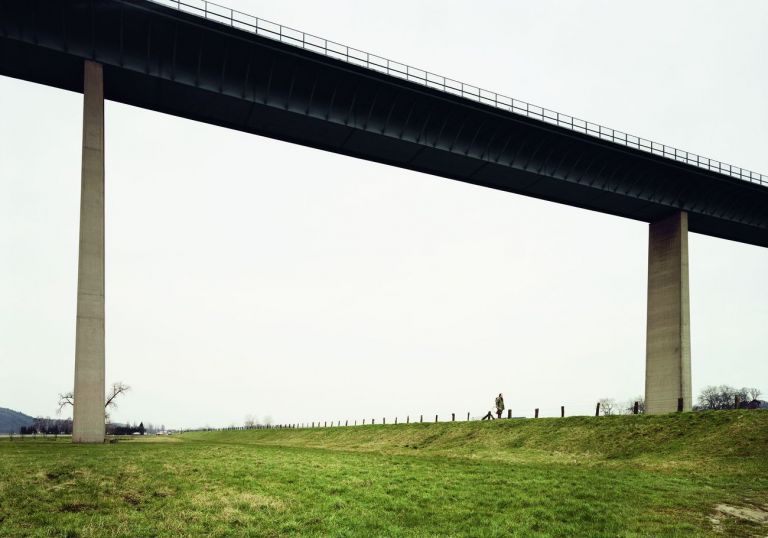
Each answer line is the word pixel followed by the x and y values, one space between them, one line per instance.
pixel 622 476
pixel 684 439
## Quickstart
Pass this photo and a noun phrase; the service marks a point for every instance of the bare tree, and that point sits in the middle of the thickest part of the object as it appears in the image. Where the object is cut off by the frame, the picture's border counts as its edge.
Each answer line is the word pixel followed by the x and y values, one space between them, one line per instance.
pixel 250 421
pixel 607 406
pixel 724 397
pixel 754 393
pixel 712 398
pixel 68 398
pixel 629 406
pixel 118 388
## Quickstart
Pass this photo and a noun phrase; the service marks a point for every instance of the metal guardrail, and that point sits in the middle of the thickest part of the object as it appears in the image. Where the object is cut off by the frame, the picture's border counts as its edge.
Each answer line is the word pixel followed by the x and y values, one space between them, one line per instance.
pixel 297 38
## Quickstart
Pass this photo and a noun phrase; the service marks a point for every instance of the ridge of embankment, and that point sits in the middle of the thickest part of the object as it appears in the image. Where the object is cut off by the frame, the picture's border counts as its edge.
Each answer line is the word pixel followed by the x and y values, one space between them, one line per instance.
pixel 738 437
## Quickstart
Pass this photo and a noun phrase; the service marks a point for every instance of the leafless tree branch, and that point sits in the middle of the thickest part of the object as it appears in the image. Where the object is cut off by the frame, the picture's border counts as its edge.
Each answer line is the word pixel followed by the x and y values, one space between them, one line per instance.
pixel 116 390
pixel 68 398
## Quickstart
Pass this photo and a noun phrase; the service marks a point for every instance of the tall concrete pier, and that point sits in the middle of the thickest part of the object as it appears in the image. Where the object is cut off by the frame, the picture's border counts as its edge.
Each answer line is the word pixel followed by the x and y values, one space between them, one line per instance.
pixel 88 424
pixel 668 344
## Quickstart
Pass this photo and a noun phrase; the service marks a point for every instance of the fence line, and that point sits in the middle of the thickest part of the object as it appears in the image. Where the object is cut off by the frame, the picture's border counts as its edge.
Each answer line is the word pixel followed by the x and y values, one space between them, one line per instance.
pixel 337 423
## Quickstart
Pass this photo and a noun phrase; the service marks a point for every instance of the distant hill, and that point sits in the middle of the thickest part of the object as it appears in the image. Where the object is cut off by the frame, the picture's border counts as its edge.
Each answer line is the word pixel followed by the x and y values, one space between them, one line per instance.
pixel 11 421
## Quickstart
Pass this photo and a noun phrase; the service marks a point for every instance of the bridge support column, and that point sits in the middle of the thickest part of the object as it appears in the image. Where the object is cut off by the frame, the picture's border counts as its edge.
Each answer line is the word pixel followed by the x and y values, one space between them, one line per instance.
pixel 668 339
pixel 88 426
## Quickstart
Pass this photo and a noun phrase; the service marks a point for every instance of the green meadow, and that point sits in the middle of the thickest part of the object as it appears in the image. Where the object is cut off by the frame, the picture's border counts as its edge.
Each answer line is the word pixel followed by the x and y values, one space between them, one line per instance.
pixel 690 474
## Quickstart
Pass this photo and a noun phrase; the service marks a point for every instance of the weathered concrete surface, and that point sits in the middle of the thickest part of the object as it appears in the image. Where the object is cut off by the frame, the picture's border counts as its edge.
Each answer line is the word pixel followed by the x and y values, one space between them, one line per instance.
pixel 88 424
pixel 668 344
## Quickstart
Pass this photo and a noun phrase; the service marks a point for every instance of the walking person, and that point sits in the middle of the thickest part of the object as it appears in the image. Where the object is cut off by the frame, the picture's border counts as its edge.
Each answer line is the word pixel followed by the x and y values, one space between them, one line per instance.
pixel 499 405
pixel 499 408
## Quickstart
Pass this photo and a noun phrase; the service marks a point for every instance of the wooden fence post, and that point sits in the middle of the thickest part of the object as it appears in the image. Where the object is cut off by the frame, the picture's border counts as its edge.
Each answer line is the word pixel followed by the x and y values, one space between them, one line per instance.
pixel 636 408
pixel 597 410
pixel 467 416
pixel 384 420
pixel 435 418
pixel 736 402
pixel 373 421
pixel 408 419
pixel 313 424
pixel 363 422
pixel 562 411
pixel 679 405
pixel 509 413
pixel 453 417
pixel 395 420
pixel 346 422
pixel 421 418
pixel 536 413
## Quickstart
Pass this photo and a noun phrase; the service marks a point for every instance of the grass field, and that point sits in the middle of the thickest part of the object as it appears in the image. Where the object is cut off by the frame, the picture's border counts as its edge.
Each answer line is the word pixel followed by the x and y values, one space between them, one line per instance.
pixel 689 474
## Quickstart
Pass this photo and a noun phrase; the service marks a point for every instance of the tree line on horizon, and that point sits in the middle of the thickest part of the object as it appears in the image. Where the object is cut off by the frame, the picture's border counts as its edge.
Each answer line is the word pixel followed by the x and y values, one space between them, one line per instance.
pixel 711 398
pixel 59 426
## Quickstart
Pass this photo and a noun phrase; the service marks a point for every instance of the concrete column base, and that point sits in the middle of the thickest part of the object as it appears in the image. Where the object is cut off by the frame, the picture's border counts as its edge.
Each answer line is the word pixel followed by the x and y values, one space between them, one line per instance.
pixel 668 344
pixel 88 420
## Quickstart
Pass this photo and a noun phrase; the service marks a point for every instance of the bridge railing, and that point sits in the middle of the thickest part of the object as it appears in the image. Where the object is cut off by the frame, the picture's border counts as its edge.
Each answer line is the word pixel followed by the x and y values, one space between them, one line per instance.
pixel 297 38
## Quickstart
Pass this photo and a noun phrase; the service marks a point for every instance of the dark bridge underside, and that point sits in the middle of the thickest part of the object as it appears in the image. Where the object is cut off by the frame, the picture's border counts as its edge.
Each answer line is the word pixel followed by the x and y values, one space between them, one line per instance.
pixel 179 64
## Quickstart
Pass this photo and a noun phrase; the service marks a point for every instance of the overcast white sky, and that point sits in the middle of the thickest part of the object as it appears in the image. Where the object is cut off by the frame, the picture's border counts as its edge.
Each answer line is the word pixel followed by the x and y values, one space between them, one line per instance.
pixel 246 275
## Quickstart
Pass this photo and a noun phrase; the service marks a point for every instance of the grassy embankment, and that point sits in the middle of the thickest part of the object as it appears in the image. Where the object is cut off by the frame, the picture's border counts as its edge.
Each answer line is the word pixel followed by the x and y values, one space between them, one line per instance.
pixel 675 475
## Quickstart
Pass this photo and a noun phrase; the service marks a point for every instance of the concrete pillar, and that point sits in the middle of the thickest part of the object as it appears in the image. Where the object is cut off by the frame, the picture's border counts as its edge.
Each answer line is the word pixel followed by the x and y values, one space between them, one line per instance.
pixel 88 424
pixel 668 340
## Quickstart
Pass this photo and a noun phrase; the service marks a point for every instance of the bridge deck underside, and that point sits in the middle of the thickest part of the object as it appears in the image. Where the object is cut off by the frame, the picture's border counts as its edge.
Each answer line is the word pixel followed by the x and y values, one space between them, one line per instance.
pixel 179 64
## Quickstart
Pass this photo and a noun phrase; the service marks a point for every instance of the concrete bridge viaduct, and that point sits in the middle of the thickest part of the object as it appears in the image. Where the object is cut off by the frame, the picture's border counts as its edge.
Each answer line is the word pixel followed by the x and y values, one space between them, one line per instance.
pixel 196 60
